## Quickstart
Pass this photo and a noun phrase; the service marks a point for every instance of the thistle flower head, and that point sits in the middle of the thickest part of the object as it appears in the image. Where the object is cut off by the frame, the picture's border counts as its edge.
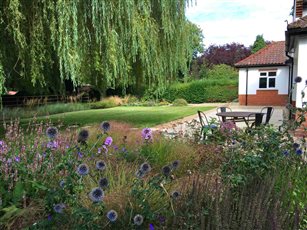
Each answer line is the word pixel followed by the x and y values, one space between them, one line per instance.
pixel 175 164
pixel 83 169
pixel 299 152
pixel 59 208
pixel 96 195
pixel 296 145
pixel 108 141
pixel 175 194
pixel 112 215
pixel 62 183
pixel 101 165
pixel 147 133
pixel 166 170
pixel 83 135
pixel 145 167
pixel 139 174
pixel 52 132
pixel 105 126
pixel 138 219
pixel 103 182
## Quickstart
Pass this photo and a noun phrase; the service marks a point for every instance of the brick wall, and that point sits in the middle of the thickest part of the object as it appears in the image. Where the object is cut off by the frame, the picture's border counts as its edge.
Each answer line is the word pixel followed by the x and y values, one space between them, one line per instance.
pixel 264 97
pixel 302 131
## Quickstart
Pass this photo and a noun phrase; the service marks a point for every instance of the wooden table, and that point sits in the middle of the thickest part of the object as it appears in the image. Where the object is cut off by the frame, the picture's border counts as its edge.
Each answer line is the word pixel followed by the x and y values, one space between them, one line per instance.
pixel 239 116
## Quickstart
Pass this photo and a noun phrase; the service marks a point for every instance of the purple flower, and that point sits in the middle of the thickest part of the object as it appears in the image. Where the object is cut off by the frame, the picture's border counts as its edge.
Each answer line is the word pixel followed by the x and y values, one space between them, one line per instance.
pixel 105 126
pixel 299 152
pixel 17 159
pixel 52 145
pixel 145 167
pixel 96 195
pixel 115 147
pixel 80 155
pixel 83 136
pixel 297 79
pixel 103 182
pixel 175 194
pixel 166 170
pixel 58 208
pixel 52 132
pixel 108 141
pixel 147 133
pixel 62 183
pixel 99 150
pixel 296 145
pixel 286 153
pixel 83 169
pixel 49 217
pixel 138 219
pixel 112 215
pixel 175 164
pixel 151 227
pixel 100 165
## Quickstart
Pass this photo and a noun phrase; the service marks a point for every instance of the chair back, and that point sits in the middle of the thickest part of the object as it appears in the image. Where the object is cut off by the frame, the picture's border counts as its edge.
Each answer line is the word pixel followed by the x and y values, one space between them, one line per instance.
pixel 202 118
pixel 223 109
pixel 268 111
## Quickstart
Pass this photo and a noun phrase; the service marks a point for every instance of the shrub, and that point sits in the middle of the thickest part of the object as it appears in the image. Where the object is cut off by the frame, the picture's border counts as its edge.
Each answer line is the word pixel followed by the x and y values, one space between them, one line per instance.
pixel 222 71
pixel 109 102
pixel 180 102
pixel 207 90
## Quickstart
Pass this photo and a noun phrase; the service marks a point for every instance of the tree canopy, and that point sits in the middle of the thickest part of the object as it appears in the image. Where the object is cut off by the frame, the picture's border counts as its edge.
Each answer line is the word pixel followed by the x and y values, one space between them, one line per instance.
pixel 259 43
pixel 101 42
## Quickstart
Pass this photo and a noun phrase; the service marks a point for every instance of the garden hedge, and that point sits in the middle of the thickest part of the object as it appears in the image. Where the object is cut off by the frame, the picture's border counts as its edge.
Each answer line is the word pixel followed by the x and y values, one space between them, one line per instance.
pixel 203 91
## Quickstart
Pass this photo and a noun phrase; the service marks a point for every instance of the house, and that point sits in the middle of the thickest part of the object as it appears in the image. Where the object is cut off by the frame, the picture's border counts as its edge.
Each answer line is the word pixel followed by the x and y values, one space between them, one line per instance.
pixel 296 50
pixel 264 76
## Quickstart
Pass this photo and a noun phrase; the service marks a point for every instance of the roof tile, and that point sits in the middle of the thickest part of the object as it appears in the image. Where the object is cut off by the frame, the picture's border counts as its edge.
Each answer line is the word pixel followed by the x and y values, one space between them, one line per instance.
pixel 272 54
pixel 300 23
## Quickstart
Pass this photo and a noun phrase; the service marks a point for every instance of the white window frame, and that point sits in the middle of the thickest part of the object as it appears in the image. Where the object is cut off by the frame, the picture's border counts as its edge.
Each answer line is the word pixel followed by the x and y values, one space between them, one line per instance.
pixel 268 78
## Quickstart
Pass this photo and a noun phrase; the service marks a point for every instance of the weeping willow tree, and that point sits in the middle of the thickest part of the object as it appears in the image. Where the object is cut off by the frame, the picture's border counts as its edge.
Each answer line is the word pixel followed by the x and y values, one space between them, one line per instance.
pixel 106 43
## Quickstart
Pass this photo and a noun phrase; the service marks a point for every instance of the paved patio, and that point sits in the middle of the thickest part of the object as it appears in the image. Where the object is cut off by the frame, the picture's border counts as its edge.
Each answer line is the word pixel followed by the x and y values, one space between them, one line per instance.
pixel 182 125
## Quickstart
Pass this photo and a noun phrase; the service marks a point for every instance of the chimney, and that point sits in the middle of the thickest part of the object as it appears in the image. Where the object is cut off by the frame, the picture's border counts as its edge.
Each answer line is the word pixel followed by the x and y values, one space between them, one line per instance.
pixel 298 8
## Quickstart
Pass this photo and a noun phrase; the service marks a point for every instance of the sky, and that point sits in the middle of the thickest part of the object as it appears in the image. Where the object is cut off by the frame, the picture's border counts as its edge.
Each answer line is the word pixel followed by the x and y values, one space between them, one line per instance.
pixel 240 21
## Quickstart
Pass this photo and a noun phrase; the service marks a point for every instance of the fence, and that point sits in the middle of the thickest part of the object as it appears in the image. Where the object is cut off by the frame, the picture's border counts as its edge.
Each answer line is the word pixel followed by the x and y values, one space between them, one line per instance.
pixel 16 101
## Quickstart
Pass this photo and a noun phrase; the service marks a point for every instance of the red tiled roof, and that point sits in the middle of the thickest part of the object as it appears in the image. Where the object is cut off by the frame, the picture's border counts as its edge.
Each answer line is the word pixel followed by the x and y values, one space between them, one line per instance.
pixel 272 54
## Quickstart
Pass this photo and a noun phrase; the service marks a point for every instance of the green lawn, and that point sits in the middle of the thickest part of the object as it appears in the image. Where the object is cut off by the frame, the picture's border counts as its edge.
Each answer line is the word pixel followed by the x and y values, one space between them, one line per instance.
pixel 137 116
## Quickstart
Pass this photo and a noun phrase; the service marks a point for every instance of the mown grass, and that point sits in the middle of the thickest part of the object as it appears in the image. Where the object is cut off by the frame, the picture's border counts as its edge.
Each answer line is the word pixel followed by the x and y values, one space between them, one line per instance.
pixel 136 116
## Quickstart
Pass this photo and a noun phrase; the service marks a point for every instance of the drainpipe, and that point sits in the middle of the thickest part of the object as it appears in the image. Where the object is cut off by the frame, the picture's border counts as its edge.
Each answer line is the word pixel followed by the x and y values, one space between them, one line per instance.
pixel 290 84
pixel 246 87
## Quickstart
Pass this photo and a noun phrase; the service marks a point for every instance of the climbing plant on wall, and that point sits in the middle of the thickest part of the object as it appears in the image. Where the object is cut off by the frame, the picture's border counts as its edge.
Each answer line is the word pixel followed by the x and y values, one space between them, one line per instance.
pixel 101 42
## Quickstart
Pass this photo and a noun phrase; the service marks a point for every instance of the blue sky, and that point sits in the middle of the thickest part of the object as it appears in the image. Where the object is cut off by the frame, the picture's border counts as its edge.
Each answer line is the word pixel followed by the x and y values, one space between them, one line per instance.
pixel 226 21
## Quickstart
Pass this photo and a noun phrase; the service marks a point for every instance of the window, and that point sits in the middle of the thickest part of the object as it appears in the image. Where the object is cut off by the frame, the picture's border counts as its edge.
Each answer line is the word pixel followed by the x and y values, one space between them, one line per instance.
pixel 267 79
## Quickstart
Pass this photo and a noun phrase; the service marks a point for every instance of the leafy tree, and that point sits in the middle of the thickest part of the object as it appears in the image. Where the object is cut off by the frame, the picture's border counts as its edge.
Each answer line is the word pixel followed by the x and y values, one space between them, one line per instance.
pixel 228 54
pixel 105 43
pixel 221 72
pixel 259 43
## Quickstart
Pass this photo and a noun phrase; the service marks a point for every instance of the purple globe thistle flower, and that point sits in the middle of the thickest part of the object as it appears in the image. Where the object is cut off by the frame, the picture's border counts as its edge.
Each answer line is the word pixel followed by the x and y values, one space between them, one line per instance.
pixel 299 152
pixel 83 169
pixel 112 215
pixel 147 133
pixel 145 167
pixel 52 132
pixel 166 170
pixel 175 194
pixel 138 219
pixel 286 153
pixel 83 136
pixel 105 126
pixel 103 182
pixel 59 208
pixel 101 165
pixel 52 145
pixel 175 164
pixel 96 195
pixel 108 141
pixel 62 183
pixel 296 145
pixel 297 79
pixel 139 174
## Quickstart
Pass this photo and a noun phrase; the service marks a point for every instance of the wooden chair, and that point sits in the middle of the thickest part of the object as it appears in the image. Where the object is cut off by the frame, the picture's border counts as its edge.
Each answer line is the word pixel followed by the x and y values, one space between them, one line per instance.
pixel 206 127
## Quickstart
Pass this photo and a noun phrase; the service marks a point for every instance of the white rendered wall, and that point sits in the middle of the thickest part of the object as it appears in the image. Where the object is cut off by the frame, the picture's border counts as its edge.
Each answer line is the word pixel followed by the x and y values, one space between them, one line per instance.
pixel 301 61
pixel 281 82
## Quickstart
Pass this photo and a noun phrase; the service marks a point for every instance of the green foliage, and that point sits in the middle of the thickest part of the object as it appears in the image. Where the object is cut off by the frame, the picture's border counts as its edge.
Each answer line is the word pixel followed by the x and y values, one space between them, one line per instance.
pixel 100 42
pixel 259 43
pixel 104 104
pixel 222 72
pixel 209 90
pixel 180 102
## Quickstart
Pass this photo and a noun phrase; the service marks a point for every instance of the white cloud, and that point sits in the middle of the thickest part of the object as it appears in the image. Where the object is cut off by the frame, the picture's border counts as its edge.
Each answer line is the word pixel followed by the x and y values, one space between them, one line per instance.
pixel 225 21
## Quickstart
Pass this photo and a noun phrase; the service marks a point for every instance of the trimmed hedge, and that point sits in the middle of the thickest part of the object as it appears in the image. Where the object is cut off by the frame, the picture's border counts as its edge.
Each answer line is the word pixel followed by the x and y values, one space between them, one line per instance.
pixel 203 91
